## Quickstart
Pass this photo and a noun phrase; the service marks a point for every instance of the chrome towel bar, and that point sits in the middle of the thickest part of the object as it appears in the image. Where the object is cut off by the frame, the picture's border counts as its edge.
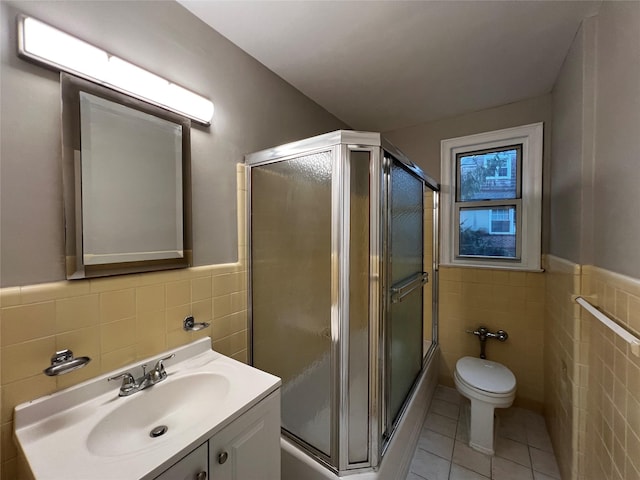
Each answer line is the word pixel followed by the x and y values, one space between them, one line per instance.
pixel 405 288
pixel 630 338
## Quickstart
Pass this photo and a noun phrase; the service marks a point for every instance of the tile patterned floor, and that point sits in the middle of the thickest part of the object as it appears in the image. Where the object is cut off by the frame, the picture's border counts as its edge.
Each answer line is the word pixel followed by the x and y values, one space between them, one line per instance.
pixel 523 448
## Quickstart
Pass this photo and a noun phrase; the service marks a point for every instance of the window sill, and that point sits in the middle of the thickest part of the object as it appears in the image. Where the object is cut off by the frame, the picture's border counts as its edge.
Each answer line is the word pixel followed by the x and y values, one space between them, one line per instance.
pixel 510 268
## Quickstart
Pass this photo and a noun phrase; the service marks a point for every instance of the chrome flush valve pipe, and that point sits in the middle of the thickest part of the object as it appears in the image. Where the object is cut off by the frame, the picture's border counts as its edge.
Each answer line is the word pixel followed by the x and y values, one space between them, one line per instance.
pixel 483 334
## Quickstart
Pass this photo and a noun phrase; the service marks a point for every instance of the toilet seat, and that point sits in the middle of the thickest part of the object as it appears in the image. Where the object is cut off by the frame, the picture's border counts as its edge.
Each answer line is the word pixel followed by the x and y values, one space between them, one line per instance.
pixel 490 378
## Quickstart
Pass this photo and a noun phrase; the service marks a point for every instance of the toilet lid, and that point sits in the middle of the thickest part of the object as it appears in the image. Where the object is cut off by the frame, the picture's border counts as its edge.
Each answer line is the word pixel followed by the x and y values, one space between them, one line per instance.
pixel 485 375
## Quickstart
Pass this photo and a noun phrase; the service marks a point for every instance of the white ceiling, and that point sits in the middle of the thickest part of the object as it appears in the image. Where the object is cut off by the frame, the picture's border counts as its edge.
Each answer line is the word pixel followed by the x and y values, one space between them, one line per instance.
pixel 384 65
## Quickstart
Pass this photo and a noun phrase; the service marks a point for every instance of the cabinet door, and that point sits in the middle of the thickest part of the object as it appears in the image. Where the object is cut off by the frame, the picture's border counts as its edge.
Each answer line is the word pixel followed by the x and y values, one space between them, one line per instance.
pixel 191 467
pixel 249 447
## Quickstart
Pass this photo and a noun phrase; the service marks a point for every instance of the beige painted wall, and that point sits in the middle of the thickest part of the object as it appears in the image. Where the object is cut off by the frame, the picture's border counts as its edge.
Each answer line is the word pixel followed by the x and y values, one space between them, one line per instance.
pixel 255 109
pixel 617 150
pixel 571 242
pixel 421 143
pixel 573 103
pixel 592 387
pixel 594 172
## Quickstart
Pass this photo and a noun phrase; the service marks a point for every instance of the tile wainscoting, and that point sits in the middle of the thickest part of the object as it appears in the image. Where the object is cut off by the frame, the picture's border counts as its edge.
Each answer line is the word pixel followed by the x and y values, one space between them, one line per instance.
pixel 592 380
pixel 497 299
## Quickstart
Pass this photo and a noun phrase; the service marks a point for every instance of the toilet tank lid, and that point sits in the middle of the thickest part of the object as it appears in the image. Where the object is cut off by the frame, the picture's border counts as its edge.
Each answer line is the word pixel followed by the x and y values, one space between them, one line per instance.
pixel 486 375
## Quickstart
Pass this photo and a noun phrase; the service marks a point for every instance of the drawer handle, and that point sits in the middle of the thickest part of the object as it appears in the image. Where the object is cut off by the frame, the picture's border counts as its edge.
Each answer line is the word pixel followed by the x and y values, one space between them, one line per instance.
pixel 201 476
pixel 223 457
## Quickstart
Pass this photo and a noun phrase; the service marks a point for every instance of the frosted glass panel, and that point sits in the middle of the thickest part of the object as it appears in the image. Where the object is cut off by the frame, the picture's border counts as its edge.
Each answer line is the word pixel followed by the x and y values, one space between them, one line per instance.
pixel 428 267
pixel 291 289
pixel 405 336
pixel 406 349
pixel 406 224
pixel 359 308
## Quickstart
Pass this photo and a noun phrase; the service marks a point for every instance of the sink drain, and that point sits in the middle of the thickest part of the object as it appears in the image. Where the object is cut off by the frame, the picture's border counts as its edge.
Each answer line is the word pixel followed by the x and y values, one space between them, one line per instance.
pixel 158 431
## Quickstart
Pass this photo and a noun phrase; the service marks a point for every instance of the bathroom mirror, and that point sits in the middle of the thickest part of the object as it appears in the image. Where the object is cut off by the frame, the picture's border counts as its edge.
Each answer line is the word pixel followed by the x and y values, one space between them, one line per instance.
pixel 126 177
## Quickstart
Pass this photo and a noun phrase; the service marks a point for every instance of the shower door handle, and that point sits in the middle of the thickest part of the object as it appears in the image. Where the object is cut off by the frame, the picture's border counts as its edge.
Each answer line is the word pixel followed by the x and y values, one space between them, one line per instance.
pixel 403 289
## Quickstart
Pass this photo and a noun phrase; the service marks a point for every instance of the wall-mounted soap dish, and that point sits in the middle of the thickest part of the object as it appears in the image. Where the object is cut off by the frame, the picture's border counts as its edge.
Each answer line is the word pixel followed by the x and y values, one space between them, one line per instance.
pixel 64 362
pixel 190 324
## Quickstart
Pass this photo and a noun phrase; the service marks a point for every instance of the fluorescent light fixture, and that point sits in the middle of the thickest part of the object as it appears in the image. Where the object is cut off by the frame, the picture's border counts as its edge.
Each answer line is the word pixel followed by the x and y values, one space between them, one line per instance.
pixel 44 44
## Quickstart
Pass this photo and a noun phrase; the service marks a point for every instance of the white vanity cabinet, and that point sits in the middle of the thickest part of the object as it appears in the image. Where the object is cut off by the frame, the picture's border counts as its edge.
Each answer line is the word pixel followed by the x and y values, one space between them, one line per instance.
pixel 249 447
pixel 246 449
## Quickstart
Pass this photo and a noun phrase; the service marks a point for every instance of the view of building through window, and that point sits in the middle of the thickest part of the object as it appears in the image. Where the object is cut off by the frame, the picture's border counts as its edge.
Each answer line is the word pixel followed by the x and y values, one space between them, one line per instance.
pixel 486 181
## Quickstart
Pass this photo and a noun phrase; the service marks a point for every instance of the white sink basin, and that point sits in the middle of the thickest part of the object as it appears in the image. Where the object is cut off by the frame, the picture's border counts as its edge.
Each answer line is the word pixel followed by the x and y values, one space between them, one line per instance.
pixel 89 432
pixel 176 404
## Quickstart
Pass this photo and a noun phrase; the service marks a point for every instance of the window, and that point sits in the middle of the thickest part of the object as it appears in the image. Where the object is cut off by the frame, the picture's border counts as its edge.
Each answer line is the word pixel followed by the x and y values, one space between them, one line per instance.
pixel 503 221
pixel 493 164
pixel 491 199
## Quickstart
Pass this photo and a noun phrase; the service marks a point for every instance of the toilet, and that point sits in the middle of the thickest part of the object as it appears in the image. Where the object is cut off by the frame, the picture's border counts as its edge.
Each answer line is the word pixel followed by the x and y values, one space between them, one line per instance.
pixel 489 385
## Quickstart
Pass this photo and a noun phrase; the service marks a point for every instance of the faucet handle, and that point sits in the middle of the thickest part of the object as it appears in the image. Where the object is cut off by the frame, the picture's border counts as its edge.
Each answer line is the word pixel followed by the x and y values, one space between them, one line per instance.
pixel 501 335
pixel 480 332
pixel 128 382
pixel 159 368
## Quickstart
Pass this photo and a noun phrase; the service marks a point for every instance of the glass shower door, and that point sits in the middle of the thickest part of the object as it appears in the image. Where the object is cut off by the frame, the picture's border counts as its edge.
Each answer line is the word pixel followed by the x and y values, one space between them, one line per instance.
pixel 291 289
pixel 405 295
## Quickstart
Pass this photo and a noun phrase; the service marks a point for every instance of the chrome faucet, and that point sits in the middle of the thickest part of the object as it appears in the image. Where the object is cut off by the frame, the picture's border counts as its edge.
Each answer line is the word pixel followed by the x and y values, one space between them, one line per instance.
pixel 131 385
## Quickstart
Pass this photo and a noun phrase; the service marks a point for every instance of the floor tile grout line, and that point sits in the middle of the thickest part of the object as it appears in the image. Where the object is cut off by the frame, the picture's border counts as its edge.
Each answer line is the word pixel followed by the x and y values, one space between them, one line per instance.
pixel 433 453
pixel 491 458
pixel 434 431
pixel 533 475
pixel 455 435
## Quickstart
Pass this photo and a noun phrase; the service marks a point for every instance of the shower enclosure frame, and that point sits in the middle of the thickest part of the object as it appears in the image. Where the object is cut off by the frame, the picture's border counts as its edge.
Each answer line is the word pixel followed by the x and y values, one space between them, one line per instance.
pixel 342 143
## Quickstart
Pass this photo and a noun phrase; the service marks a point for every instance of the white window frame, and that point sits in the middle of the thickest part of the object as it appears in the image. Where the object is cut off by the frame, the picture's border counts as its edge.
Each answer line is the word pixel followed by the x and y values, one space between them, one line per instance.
pixel 530 219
